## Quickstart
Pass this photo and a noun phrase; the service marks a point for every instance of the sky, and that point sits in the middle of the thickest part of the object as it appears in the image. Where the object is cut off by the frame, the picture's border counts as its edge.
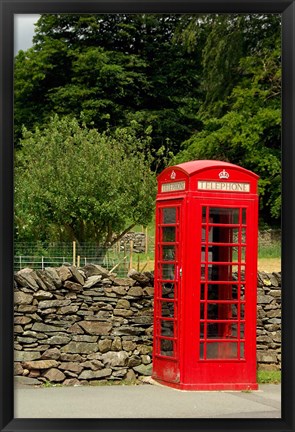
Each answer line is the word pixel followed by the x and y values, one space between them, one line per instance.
pixel 23 31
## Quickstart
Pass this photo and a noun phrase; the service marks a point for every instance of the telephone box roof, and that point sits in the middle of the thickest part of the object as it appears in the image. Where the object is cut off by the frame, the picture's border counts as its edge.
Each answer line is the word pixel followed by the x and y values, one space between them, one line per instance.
pixel 192 167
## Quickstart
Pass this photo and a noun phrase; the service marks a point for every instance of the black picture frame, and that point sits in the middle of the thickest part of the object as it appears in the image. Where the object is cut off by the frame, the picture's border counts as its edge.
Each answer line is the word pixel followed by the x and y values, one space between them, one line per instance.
pixel 7 10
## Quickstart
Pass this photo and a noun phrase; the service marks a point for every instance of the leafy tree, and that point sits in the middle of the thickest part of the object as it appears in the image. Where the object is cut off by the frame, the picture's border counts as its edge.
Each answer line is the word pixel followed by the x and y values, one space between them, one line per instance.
pixel 225 40
pixel 248 134
pixel 208 85
pixel 72 182
pixel 114 68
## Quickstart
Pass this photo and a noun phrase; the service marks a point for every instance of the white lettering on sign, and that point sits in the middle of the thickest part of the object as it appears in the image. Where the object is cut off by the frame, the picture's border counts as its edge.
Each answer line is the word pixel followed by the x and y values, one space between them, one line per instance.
pixel 223 186
pixel 175 186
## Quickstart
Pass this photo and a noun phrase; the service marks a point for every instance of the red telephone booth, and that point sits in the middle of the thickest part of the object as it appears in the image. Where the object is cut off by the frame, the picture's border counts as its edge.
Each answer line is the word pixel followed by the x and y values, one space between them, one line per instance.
pixel 206 277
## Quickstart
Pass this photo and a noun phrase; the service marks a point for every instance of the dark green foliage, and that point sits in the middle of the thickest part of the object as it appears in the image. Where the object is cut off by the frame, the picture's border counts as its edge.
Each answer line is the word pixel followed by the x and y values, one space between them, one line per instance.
pixel 242 110
pixel 113 68
pixel 203 86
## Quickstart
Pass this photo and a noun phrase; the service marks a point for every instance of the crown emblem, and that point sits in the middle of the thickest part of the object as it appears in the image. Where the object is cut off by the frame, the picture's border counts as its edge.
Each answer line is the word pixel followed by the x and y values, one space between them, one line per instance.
pixel 173 175
pixel 223 174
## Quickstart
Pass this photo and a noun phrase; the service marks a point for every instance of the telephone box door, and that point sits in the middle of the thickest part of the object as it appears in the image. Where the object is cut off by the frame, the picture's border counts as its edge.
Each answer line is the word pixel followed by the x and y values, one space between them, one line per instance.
pixel 225 304
pixel 167 290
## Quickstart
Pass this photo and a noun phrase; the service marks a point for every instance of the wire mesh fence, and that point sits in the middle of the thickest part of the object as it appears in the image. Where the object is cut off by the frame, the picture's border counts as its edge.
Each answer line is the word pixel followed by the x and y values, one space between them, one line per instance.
pixel 132 252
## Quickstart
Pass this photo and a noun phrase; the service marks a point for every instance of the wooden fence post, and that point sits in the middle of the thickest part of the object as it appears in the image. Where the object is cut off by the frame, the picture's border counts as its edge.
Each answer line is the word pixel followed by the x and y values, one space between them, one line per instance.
pixel 146 241
pixel 125 254
pixel 131 255
pixel 74 253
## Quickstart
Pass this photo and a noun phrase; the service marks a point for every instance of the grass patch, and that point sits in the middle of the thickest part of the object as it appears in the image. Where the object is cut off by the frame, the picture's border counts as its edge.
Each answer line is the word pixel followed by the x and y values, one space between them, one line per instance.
pixel 122 382
pixel 49 384
pixel 272 250
pixel 268 377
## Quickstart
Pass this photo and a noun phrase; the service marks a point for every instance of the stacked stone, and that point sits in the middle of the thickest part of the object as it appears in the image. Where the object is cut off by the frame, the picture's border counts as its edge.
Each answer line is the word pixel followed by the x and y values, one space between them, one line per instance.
pixel 87 326
pixel 268 237
pixel 269 321
pixel 82 326
pixel 138 239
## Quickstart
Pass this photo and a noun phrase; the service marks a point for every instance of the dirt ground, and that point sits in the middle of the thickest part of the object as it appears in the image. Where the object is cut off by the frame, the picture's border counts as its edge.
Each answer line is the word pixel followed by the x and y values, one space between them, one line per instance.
pixel 269 265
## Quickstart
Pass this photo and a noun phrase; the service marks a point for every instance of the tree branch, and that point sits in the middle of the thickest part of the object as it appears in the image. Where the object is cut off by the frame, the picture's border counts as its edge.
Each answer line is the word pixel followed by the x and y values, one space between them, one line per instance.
pixel 116 239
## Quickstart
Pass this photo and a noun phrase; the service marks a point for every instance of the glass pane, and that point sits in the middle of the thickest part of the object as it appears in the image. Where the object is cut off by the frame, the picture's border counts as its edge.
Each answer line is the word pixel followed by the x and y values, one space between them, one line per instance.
pixel 167 309
pixel 221 272
pixel 235 254
pixel 212 350
pixel 242 311
pixel 169 234
pixel 244 216
pixel 225 235
pixel 239 235
pixel 242 350
pixel 212 292
pixel 222 331
pixel 203 234
pixel 236 274
pixel 202 308
pixel 168 290
pixel 207 233
pixel 242 292
pixel 202 326
pixel 236 251
pixel 212 330
pixel 224 215
pixel 212 311
pixel 222 311
pixel 234 311
pixel 203 268
pixel 202 291
pixel 204 214
pixel 206 255
pixel 202 350
pixel 222 292
pixel 222 350
pixel 166 347
pixel 242 331
pixel 168 271
pixel 168 253
pixel 167 328
pixel 169 215
pixel 222 253
pixel 219 292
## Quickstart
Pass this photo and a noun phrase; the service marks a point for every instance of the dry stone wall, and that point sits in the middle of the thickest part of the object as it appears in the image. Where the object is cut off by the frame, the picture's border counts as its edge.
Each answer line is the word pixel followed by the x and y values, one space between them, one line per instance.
pixel 82 326
pixel 269 321
pixel 87 326
pixel 138 239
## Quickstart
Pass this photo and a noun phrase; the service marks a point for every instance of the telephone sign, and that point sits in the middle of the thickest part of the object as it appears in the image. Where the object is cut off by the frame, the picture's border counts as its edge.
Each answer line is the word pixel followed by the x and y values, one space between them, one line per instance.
pixel 206 277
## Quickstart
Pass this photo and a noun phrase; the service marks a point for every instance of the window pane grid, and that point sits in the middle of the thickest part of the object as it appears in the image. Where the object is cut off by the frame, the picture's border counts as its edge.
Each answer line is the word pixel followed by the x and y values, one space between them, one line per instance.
pixel 223 268
pixel 211 224
pixel 225 244
pixel 234 301
pixel 233 339
pixel 166 294
pixel 166 302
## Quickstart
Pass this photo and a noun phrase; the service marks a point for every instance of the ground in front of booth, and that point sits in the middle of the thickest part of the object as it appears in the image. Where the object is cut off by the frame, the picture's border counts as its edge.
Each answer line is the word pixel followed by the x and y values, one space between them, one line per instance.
pixel 145 401
pixel 269 265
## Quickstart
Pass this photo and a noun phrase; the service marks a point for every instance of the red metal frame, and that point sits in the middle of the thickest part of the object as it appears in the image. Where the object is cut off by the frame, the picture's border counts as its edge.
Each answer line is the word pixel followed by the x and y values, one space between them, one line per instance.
pixel 206 277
